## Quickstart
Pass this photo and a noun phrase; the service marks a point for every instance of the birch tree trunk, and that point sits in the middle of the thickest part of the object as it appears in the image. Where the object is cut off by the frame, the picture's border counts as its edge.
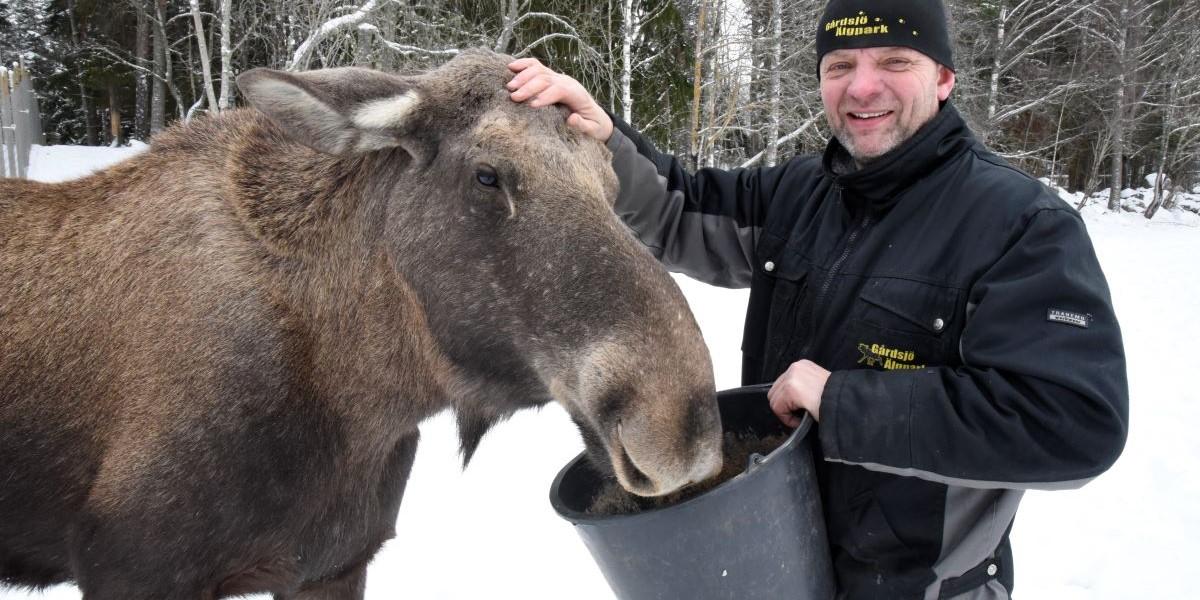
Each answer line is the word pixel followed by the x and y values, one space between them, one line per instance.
pixel 114 117
pixel 709 129
pixel 613 93
pixel 994 83
pixel 697 73
pixel 85 101
pixel 92 137
pixel 1028 39
pixel 1117 162
pixel 160 8
pixel 158 96
pixel 205 62
pixel 141 125
pixel 389 15
pixel 509 19
pixel 223 102
pixel 776 84
pixel 362 48
pixel 1169 202
pixel 629 29
pixel 1100 150
pixel 1160 179
pixel 1117 148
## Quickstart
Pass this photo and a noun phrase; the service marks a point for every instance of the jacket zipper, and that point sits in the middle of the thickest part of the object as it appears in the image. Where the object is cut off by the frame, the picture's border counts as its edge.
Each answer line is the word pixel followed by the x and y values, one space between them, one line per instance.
pixel 863 224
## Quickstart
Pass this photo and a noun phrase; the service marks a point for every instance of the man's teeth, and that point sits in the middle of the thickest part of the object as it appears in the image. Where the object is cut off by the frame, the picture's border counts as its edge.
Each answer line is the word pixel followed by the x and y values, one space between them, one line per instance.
pixel 868 115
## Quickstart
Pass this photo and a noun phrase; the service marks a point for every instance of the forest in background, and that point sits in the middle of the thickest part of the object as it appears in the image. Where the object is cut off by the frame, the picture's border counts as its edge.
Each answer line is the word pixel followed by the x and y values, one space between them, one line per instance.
pixel 1090 95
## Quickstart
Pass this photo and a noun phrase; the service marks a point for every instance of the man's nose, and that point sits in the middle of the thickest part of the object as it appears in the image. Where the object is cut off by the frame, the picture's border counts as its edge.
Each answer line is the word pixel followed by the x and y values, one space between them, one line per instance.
pixel 865 83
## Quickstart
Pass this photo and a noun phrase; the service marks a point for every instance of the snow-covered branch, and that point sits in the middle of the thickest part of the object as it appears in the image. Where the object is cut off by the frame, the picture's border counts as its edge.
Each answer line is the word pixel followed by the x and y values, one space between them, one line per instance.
pixel 541 15
pixel 556 36
pixel 404 49
pixel 299 60
pixel 785 139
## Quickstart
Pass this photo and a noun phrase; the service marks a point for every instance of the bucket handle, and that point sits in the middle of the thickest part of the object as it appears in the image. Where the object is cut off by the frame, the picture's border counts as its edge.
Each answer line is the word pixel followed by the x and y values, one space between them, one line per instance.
pixel 756 460
pixel 800 414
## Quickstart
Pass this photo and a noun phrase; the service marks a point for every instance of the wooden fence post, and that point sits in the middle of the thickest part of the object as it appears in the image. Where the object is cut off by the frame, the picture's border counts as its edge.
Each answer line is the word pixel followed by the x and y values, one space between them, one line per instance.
pixel 21 125
pixel 20 121
pixel 8 130
pixel 34 116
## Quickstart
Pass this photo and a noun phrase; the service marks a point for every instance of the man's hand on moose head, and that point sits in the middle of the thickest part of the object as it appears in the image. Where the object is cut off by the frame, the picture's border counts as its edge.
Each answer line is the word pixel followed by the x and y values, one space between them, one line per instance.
pixel 539 86
pixel 799 388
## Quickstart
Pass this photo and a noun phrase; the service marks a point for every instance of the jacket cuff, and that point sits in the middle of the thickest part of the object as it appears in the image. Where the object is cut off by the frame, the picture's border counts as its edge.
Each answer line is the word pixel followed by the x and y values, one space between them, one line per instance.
pixel 615 140
pixel 866 418
pixel 828 425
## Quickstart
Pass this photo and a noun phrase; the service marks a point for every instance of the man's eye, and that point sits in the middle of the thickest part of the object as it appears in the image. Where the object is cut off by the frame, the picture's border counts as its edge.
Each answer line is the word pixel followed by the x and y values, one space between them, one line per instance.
pixel 487 177
pixel 837 67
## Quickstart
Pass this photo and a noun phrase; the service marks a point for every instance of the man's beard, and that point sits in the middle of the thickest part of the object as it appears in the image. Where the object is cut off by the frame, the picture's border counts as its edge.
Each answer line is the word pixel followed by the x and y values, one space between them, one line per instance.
pixel 895 137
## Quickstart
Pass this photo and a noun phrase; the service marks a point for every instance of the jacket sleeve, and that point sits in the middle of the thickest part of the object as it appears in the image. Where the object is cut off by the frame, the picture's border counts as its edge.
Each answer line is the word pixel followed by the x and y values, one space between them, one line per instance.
pixel 705 224
pixel 1039 403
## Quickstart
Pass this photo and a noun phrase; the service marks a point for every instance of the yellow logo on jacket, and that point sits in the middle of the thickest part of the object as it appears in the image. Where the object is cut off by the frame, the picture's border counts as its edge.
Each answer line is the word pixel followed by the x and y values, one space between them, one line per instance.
pixel 891 359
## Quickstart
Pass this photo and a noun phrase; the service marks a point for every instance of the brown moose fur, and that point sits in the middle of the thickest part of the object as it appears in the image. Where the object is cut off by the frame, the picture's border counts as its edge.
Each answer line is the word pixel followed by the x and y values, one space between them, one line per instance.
pixel 214 356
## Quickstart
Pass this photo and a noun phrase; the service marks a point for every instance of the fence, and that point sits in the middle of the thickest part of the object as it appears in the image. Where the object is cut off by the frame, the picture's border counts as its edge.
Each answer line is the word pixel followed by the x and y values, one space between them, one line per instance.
pixel 20 121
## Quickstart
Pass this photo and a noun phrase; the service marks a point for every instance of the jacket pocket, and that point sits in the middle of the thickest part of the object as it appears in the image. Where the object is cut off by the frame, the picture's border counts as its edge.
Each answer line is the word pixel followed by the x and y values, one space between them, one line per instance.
pixel 890 529
pixel 899 324
pixel 871 537
pixel 777 293
pixel 909 306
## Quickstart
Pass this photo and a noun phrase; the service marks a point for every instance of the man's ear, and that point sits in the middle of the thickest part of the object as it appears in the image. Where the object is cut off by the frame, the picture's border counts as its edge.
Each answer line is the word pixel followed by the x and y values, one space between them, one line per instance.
pixel 945 83
pixel 337 111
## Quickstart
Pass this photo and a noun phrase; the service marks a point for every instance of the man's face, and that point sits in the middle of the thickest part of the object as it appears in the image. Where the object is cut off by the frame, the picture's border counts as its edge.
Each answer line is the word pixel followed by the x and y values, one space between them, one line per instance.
pixel 876 98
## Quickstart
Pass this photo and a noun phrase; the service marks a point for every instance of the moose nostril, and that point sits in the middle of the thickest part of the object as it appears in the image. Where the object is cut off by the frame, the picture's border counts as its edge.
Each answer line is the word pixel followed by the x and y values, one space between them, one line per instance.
pixel 636 479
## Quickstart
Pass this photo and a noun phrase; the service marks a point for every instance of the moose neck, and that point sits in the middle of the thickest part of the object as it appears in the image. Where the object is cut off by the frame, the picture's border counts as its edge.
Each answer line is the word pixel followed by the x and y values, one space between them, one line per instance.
pixel 363 333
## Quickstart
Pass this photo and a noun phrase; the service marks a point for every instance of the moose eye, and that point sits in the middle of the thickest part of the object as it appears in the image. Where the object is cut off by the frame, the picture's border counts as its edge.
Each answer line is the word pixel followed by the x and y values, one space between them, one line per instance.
pixel 487 177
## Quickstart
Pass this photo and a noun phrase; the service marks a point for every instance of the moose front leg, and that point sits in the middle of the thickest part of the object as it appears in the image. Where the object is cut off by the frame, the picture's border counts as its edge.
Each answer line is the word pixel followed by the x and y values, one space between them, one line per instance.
pixel 349 586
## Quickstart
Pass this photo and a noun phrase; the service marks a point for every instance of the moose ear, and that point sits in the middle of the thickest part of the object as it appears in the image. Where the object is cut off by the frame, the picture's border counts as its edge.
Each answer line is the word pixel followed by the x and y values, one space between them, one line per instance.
pixel 336 111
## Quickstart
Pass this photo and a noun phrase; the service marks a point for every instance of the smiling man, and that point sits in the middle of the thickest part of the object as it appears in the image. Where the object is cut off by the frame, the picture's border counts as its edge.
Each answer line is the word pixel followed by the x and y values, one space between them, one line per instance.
pixel 941 313
pixel 876 98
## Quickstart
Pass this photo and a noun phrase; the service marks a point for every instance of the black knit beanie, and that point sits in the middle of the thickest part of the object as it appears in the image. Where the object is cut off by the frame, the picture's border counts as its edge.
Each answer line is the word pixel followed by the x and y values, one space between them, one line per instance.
pixel 917 24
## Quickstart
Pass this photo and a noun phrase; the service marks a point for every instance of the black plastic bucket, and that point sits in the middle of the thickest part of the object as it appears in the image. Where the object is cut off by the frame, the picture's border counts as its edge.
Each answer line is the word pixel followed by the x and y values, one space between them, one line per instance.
pixel 760 534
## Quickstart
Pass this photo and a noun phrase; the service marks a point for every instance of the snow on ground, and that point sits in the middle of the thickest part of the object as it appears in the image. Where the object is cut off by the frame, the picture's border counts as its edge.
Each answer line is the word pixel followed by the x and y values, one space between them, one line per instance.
pixel 60 163
pixel 489 531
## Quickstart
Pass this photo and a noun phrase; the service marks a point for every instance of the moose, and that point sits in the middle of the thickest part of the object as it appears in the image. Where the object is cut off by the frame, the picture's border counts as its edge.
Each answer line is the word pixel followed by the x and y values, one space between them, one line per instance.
pixel 214 356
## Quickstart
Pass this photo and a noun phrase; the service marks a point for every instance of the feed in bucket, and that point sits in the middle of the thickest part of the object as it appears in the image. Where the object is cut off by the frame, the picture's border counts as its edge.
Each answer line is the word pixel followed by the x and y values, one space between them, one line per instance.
pixel 739 447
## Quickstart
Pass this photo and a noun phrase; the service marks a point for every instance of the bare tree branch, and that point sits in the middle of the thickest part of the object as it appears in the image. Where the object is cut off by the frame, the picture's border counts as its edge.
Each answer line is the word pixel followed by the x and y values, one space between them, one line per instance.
pixel 299 60
pixel 785 139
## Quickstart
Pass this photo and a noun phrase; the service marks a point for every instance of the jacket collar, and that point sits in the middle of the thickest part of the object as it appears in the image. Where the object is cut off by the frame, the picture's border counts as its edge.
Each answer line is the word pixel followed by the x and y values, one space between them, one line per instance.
pixel 944 136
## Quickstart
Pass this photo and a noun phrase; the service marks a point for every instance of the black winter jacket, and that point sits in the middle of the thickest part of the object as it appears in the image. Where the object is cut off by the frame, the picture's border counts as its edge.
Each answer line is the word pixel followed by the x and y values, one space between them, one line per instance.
pixel 963 313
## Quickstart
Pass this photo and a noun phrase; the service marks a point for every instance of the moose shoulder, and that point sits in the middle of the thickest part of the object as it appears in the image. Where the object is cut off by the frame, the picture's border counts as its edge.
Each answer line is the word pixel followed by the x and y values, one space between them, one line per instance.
pixel 214 357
